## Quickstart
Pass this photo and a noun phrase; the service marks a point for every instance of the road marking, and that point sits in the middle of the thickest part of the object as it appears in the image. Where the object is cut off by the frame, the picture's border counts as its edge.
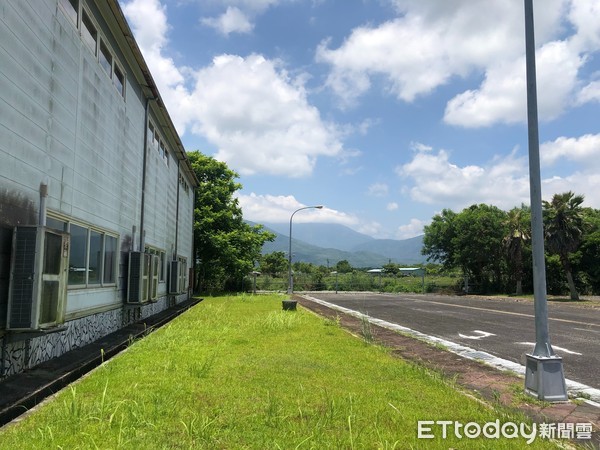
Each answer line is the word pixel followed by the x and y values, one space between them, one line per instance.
pixel 480 335
pixel 532 344
pixel 508 312
pixel 574 387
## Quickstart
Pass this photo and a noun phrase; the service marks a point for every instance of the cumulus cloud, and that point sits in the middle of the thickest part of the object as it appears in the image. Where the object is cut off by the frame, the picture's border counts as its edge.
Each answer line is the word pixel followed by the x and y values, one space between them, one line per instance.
pixel 502 96
pixel 392 206
pixel 430 43
pixel 427 45
pixel 256 115
pixel 239 15
pixel 504 182
pixel 411 229
pixel 590 93
pixel 278 208
pixel 260 118
pixel 231 21
pixel 584 150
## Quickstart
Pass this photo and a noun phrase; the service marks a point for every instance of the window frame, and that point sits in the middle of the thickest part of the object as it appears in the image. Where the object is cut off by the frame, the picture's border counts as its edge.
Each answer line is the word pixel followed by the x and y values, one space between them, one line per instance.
pixel 104 235
pixel 68 8
pixel 86 14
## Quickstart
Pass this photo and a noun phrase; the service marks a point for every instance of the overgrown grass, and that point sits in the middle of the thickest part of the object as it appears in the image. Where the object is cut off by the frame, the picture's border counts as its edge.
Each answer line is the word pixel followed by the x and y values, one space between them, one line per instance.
pixel 237 372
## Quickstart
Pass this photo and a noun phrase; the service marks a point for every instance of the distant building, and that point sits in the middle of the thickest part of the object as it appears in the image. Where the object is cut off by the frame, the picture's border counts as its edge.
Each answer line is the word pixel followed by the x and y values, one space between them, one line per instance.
pixel 96 192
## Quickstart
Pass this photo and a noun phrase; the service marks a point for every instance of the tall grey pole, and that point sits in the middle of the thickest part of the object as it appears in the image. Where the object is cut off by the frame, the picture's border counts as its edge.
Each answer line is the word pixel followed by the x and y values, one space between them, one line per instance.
pixel 290 277
pixel 544 375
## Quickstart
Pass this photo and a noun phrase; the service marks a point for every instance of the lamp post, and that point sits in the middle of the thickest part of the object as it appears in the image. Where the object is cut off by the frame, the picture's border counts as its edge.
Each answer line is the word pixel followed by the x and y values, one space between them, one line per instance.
pixel 544 377
pixel 290 278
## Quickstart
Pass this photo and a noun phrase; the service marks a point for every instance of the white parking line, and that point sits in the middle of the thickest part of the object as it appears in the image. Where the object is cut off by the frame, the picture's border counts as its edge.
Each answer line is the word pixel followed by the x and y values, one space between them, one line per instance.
pixel 574 387
pixel 555 347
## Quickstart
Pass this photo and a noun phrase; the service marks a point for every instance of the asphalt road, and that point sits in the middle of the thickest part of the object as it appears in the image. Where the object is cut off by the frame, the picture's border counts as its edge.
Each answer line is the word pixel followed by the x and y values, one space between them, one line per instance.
pixel 501 327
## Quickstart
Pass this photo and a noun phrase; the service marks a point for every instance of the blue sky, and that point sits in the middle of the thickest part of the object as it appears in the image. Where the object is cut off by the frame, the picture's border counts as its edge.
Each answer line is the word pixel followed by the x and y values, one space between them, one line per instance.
pixel 384 111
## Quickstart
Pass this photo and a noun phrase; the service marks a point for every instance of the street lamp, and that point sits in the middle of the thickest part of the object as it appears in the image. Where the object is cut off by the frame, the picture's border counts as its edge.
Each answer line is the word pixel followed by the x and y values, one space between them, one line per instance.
pixel 290 278
pixel 544 377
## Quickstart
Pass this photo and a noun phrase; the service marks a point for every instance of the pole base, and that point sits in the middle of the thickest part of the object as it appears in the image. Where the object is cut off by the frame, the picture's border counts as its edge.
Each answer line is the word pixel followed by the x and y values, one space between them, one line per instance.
pixel 544 378
pixel 289 305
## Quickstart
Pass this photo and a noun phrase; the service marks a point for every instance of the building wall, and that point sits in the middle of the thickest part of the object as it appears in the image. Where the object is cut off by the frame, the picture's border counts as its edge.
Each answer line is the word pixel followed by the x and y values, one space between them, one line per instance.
pixel 65 122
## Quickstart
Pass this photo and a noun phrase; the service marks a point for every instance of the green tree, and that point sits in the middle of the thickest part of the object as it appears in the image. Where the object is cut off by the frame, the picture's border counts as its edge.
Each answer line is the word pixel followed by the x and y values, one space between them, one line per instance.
pixel 343 266
pixel 589 261
pixel 438 241
pixel 479 231
pixel 274 263
pixel 518 223
pixel 563 229
pixel 225 246
pixel 392 268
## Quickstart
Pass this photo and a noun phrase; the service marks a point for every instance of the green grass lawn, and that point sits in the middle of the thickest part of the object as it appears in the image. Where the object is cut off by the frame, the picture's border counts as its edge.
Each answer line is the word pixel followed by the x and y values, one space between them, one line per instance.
pixel 237 372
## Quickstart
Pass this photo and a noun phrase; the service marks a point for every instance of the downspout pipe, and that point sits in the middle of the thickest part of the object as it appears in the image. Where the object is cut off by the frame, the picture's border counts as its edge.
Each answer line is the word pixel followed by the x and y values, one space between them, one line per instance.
pixel 144 163
pixel 43 200
pixel 177 214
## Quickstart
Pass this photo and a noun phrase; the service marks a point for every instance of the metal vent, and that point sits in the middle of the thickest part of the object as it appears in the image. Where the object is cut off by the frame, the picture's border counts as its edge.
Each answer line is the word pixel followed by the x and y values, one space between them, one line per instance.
pixel 23 277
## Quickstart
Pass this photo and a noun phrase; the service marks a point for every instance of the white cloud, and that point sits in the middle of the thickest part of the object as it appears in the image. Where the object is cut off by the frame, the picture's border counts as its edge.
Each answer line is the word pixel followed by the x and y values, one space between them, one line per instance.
pixel 590 93
pixel 504 181
pixel 437 181
pixel 250 109
pixel 279 208
pixel 502 96
pixel 392 206
pixel 259 118
pixel 231 21
pixel 378 190
pixel 584 150
pixel 239 15
pixel 412 229
pixel 429 44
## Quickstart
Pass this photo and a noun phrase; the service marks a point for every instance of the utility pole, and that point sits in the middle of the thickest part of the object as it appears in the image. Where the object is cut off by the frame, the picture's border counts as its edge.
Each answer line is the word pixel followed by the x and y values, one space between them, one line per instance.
pixel 544 377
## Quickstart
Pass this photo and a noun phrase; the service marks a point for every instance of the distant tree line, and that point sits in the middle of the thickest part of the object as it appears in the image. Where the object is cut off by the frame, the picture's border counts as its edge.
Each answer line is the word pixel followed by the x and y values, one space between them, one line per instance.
pixel 492 247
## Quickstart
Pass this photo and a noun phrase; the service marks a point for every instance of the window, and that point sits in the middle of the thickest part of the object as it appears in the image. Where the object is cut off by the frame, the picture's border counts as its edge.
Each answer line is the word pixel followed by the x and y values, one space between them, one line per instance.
pixel 150 133
pixel 56 224
pixel 78 256
pixel 162 149
pixel 88 31
pixel 119 80
pixel 105 58
pixel 110 259
pixel 95 255
pixel 71 9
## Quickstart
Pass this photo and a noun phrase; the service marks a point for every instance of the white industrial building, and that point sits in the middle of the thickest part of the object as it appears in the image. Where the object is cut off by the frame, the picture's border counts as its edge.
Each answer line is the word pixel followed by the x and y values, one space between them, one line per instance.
pixel 96 192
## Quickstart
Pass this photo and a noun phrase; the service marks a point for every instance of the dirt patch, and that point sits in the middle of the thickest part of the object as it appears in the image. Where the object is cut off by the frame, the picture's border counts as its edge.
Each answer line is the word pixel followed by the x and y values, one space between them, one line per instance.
pixel 485 382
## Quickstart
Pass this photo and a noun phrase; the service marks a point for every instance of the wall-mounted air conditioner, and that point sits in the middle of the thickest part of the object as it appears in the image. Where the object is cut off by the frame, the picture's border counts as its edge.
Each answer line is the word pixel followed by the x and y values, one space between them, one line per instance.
pixel 38 278
pixel 142 283
pixel 154 277
pixel 138 275
pixel 174 273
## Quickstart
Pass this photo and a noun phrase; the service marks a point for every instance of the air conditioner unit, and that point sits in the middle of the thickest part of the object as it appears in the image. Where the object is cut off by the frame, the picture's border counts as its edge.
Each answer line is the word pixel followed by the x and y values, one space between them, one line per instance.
pixel 139 275
pixel 154 277
pixel 37 295
pixel 174 269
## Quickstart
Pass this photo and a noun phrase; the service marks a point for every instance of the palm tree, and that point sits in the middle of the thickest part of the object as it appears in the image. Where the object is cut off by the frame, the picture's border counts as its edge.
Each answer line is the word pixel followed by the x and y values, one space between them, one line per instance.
pixel 519 233
pixel 563 229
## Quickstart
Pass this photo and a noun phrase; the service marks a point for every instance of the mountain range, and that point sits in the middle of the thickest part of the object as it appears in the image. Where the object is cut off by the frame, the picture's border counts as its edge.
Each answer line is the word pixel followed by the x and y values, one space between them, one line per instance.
pixel 326 244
